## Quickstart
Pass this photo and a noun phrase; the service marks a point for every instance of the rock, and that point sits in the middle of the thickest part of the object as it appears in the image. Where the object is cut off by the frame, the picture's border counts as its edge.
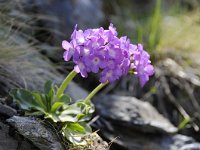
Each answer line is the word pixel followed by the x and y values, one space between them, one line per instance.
pixel 6 142
pixel 35 131
pixel 132 114
pixel 10 142
pixel 181 142
pixel 174 91
pixel 195 146
pixel 178 85
pixel 7 110
pixel 133 124
pixel 154 142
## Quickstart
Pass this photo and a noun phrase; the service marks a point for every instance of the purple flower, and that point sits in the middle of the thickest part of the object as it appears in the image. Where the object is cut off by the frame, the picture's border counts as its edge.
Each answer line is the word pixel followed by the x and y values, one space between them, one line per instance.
pixel 101 51
pixel 81 68
pixel 69 50
pixel 142 65
pixel 94 62
pixel 110 75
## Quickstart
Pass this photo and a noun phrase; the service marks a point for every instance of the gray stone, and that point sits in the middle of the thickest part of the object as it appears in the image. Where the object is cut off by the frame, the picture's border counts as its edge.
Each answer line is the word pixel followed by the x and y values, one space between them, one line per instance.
pixel 174 90
pixel 35 131
pixel 6 142
pixel 178 85
pixel 10 142
pixel 194 146
pixel 181 142
pixel 133 114
pixel 7 110
pixel 136 125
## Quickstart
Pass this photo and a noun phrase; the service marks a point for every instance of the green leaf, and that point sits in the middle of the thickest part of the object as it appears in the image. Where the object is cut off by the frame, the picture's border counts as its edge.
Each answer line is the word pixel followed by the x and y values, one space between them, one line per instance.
pixel 39 100
pixel 85 108
pixel 71 109
pixel 47 87
pixel 48 95
pixel 51 95
pixel 65 98
pixel 86 127
pixel 54 117
pixel 25 99
pixel 75 131
pixel 77 127
pixel 70 114
pixel 67 118
pixel 80 116
pixel 78 111
pixel 56 106
pixel 72 136
pixel 45 101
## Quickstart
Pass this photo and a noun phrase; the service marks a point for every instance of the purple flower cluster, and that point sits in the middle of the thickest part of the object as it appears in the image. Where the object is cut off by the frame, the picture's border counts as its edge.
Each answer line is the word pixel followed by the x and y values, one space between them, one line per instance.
pixel 100 50
pixel 141 64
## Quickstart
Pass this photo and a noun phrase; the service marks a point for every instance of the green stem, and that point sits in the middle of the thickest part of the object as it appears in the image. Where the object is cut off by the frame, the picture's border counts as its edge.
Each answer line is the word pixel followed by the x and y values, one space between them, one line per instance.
pixel 64 84
pixel 98 88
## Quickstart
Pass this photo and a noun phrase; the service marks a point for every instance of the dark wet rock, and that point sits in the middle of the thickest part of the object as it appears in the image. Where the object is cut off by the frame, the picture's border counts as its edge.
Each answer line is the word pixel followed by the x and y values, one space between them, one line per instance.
pixel 46 138
pixel 35 131
pixel 7 110
pixel 6 142
pixel 133 124
pixel 11 142
pixel 132 114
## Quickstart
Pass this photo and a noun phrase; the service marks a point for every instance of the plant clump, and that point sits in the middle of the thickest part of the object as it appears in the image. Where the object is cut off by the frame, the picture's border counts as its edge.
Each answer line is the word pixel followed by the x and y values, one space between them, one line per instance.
pixel 93 51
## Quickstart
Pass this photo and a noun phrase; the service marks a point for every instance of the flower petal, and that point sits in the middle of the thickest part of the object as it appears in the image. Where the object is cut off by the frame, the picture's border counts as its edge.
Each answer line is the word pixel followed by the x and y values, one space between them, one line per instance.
pixel 66 45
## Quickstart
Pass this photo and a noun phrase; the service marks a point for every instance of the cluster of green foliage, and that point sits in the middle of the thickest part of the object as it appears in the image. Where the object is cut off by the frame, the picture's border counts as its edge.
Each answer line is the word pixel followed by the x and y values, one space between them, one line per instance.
pixel 72 115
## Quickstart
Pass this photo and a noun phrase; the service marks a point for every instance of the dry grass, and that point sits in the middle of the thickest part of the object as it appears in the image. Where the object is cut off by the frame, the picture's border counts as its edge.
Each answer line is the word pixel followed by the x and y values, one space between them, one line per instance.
pixel 180 34
pixel 21 64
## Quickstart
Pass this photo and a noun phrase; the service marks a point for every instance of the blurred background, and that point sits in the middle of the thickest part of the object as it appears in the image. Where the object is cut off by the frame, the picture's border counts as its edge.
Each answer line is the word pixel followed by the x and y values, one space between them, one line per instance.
pixel 31 32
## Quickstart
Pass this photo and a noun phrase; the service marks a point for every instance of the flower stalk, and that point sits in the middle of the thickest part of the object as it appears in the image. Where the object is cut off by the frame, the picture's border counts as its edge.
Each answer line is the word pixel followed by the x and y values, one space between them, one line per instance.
pixel 93 93
pixel 65 83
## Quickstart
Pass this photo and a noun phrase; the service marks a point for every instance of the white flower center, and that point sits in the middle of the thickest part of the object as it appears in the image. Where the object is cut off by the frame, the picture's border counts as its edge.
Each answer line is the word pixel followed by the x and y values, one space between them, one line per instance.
pixel 81 66
pixel 95 45
pixel 109 74
pixel 81 40
pixel 86 51
pixel 112 53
